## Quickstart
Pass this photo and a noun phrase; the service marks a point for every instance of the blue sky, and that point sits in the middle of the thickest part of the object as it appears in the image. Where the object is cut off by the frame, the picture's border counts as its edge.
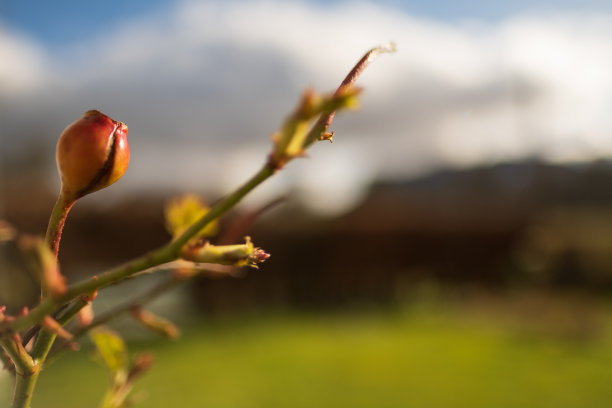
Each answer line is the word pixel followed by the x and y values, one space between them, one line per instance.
pixel 65 22
pixel 203 84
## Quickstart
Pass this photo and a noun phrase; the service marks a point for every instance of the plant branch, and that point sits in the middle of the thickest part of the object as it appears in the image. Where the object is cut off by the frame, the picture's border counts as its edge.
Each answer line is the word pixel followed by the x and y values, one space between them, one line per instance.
pixel 153 293
pixel 125 307
pixel 25 383
pixel 171 251
pixel 24 388
pixel 292 144
pixel 26 371
pixel 220 208
pixel 57 221
pixel 157 257
pixel 324 122
pixel 18 354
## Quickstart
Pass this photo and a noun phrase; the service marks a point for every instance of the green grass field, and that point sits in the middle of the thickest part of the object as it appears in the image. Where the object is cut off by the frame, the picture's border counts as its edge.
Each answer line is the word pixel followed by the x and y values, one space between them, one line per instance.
pixel 416 357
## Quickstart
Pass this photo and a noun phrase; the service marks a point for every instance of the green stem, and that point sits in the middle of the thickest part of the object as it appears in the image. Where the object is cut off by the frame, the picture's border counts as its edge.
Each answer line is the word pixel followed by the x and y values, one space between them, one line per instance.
pixel 20 357
pixel 42 345
pixel 142 299
pixel 170 251
pixel 65 316
pixel 45 339
pixel 162 255
pixel 220 208
pixel 6 361
pixel 28 366
pixel 24 389
pixel 72 311
pixel 165 254
pixel 26 371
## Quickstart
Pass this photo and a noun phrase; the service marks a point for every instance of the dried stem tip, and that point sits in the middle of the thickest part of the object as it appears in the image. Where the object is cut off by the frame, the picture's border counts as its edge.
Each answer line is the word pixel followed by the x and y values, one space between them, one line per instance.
pixel 92 153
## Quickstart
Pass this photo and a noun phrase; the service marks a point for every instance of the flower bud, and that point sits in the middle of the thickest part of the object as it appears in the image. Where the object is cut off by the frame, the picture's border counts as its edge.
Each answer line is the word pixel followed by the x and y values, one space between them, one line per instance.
pixel 92 153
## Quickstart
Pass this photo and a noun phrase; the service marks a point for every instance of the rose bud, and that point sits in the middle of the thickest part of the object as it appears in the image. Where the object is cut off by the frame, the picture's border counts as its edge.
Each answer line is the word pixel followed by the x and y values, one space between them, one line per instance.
pixel 92 153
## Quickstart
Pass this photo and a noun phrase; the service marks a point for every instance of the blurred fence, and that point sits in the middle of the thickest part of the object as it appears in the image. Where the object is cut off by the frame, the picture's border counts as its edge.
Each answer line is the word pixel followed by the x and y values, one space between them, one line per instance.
pixel 515 224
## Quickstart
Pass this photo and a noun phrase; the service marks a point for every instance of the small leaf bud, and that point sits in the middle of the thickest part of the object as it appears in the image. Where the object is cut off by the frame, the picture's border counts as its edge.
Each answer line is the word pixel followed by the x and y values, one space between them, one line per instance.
pixel 237 255
pixel 140 364
pixel 155 323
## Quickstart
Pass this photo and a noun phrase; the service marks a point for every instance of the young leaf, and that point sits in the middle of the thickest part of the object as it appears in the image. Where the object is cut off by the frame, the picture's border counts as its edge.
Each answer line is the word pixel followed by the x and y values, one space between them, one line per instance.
pixel 183 211
pixel 111 348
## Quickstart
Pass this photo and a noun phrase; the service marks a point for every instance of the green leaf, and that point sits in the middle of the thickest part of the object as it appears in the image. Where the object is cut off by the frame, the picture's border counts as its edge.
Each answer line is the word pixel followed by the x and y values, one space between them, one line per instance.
pixel 111 348
pixel 183 211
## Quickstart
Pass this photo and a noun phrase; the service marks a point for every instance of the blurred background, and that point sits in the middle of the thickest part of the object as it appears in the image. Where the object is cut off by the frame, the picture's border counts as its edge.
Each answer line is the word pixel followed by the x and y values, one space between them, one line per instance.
pixel 452 247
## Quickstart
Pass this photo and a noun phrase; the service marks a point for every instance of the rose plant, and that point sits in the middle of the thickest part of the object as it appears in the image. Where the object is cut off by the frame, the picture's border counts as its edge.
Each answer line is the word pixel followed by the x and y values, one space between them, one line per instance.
pixel 93 153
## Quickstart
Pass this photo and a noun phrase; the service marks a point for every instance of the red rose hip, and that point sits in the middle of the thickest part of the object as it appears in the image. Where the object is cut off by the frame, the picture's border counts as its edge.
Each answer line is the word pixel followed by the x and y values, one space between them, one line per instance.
pixel 92 153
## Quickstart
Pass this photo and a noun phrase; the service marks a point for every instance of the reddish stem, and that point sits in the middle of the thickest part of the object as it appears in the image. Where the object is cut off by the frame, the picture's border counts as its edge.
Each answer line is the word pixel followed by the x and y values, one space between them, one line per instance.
pixel 352 76
pixel 57 221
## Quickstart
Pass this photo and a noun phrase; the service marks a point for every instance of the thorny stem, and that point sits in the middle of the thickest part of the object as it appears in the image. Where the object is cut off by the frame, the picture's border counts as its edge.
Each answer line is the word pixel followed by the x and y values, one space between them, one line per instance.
pixel 157 257
pixel 143 299
pixel 18 354
pixel 24 390
pixel 26 371
pixel 72 310
pixel 45 340
pixel 66 313
pixel 31 364
pixel 170 251
pixel 28 367
pixel 162 255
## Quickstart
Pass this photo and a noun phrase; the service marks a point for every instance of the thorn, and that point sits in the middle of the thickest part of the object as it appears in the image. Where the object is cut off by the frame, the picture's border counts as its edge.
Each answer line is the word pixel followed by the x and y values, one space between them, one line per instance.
pixel 74 346
pixel 86 315
pixel 53 326
pixel 327 136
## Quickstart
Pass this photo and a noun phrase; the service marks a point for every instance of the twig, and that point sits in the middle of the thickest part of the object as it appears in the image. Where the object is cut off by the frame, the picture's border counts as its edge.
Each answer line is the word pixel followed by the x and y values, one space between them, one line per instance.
pixel 324 122
pixel 144 298
pixel 125 307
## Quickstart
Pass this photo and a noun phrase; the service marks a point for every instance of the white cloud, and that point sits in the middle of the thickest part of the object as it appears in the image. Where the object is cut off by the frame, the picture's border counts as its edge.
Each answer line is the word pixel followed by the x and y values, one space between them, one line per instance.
pixel 21 64
pixel 211 78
